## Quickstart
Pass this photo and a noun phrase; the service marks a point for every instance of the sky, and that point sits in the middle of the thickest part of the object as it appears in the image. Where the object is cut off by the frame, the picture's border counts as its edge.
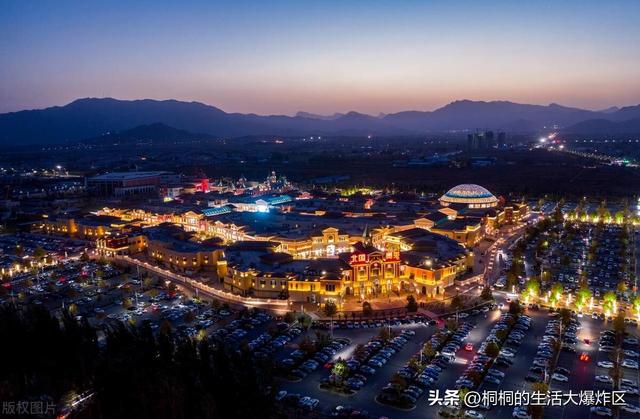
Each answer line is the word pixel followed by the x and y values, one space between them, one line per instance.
pixel 280 57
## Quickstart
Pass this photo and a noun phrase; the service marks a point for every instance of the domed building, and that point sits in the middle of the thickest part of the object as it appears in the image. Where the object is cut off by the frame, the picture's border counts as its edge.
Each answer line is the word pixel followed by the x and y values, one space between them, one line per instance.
pixel 471 195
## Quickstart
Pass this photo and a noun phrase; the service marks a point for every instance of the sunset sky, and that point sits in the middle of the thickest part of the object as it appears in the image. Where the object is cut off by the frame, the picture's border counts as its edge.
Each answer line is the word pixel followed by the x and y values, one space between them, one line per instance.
pixel 279 57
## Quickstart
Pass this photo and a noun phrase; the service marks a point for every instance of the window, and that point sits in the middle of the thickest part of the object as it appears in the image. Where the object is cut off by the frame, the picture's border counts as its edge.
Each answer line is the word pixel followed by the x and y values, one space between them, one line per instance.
pixel 330 287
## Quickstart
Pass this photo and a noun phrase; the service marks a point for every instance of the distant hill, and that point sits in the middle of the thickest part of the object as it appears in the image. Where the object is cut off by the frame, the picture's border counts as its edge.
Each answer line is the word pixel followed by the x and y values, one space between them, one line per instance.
pixel 467 114
pixel 611 109
pixel 158 132
pixel 626 113
pixel 96 117
pixel 604 127
pixel 316 116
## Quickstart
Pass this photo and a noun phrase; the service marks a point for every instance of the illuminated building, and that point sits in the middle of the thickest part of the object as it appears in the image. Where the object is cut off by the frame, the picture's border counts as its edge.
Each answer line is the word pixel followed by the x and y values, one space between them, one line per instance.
pixel 267 245
pixel 463 230
pixel 373 272
pixel 120 245
pixel 320 281
pixel 59 225
pixel 255 269
pixel 431 262
pixel 90 227
pixel 471 195
pixel 177 249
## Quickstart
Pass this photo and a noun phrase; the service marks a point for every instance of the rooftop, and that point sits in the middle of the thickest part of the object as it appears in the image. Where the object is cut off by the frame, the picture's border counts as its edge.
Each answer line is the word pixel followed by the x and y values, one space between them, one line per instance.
pixel 468 193
pixel 127 175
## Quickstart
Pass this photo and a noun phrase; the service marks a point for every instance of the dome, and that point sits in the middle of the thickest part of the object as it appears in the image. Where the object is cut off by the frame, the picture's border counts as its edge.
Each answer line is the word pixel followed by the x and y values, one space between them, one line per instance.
pixel 475 196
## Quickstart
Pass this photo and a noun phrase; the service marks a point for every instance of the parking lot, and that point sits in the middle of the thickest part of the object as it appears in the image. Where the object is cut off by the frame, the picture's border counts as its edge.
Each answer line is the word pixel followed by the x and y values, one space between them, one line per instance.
pixel 583 374
pixel 305 358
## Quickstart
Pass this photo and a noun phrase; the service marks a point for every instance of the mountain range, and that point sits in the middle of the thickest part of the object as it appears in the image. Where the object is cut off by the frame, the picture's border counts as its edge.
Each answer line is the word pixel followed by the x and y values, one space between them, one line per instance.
pixel 156 132
pixel 93 118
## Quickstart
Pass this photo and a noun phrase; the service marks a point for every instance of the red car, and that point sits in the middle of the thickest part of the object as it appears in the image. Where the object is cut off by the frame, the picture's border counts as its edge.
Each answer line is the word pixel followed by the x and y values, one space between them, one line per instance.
pixel 584 357
pixel 468 346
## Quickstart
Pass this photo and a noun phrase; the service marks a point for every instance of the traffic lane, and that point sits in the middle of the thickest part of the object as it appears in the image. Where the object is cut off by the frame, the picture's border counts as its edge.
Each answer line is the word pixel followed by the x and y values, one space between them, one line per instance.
pixel 515 374
pixel 355 336
pixel 450 375
pixel 630 373
pixel 365 398
pixel 581 373
pixel 633 375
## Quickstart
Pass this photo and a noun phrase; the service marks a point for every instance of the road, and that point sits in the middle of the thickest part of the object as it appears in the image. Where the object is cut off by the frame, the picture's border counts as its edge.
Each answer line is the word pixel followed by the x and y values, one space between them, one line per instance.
pixel 515 374
pixel 275 306
pixel 364 399
pixel 489 258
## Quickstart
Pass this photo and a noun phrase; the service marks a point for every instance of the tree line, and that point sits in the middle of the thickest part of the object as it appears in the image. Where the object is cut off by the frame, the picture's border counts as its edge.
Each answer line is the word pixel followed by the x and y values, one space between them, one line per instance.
pixel 130 371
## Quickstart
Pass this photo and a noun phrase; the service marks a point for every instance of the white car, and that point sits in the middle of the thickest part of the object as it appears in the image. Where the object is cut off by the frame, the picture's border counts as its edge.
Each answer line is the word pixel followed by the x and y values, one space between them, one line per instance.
pixel 604 379
pixel 605 364
pixel 628 407
pixel 629 363
pixel 601 411
pixel 627 382
pixel 309 403
pixel 473 414
pixel 560 377
pixel 629 390
pixel 630 353
pixel 304 401
pixel 520 412
pixel 508 354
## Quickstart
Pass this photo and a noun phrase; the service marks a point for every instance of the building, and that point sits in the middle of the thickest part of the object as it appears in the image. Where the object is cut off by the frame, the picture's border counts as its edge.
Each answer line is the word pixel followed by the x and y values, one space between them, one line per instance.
pixel 177 249
pixel 467 231
pixel 481 141
pixel 59 225
pixel 111 246
pixel 502 139
pixel 89 227
pixel 515 212
pixel 125 184
pixel 258 269
pixel 433 264
pixel 321 280
pixel 373 271
pixel 313 250
pixel 471 195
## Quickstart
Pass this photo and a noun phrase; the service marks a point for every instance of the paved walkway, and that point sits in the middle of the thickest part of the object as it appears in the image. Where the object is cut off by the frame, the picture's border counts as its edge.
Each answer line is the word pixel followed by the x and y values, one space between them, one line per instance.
pixel 276 306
